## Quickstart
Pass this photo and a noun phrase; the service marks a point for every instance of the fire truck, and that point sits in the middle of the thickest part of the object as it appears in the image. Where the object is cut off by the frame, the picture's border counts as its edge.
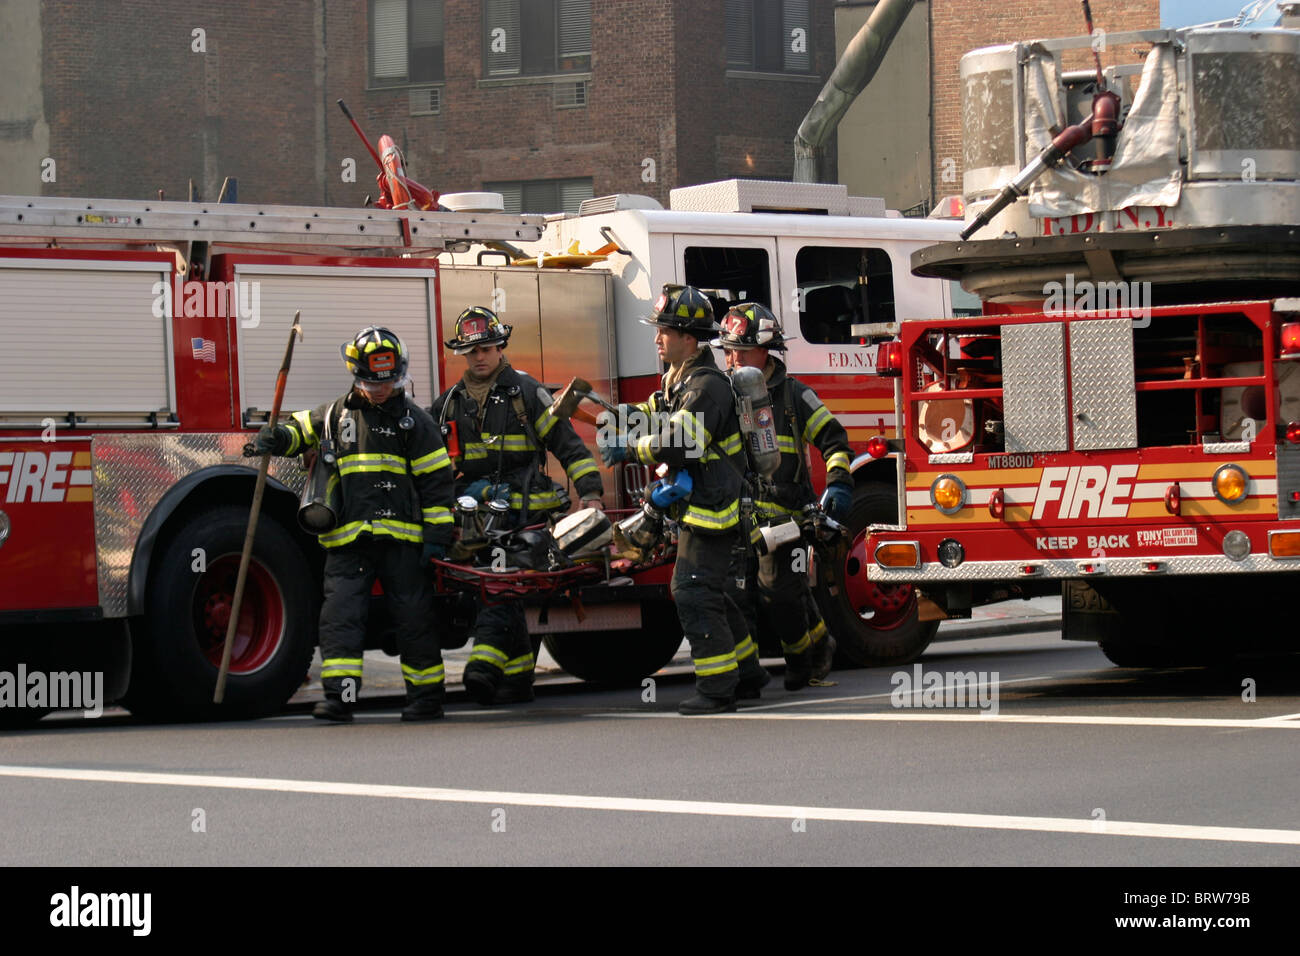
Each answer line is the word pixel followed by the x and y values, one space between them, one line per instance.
pixel 1122 422
pixel 152 332
pixel 824 261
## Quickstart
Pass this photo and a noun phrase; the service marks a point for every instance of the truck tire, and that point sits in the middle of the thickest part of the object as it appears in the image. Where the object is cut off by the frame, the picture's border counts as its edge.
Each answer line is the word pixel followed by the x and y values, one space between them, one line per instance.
pixel 875 625
pixel 177 650
pixel 620 657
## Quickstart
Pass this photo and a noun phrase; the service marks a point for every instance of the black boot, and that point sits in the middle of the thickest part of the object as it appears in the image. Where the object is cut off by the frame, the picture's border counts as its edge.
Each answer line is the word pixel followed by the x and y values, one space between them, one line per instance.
pixel 515 690
pixel 422 708
pixel 700 704
pixel 481 686
pixel 751 688
pixel 798 671
pixel 822 653
pixel 334 710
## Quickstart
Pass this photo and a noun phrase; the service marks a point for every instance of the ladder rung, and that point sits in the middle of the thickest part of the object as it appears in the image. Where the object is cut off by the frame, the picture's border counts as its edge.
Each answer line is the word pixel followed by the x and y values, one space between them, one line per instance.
pixel 236 222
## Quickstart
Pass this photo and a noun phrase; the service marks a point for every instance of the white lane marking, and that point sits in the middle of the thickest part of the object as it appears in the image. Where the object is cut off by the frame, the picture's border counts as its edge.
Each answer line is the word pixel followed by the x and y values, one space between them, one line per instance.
pixel 977 716
pixel 1282 717
pixel 888 693
pixel 979 821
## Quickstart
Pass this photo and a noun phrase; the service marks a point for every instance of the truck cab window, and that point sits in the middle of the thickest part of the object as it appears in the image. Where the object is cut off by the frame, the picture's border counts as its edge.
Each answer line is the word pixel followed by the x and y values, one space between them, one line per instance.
pixel 729 275
pixel 839 287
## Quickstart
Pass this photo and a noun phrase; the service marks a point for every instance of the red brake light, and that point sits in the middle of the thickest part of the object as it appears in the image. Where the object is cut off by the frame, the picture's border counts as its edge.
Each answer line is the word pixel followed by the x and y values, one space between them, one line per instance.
pixel 1293 433
pixel 878 447
pixel 889 359
pixel 1290 338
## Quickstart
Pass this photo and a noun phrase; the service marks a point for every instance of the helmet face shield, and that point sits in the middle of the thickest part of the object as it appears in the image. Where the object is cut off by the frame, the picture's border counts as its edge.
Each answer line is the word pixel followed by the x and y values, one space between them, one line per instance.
pixel 750 325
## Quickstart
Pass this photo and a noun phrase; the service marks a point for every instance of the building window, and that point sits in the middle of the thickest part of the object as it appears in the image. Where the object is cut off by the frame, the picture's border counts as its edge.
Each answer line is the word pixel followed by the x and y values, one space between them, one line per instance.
pixel 536 37
pixel 545 196
pixel 405 42
pixel 768 36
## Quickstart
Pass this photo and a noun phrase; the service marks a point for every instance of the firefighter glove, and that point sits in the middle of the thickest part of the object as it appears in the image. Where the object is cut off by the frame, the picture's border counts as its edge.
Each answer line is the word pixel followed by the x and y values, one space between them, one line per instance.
pixel 613 448
pixel 272 440
pixel 837 499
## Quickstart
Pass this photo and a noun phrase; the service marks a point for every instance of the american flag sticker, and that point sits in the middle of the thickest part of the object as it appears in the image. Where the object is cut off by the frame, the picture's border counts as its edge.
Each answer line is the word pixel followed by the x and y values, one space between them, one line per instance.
pixel 204 350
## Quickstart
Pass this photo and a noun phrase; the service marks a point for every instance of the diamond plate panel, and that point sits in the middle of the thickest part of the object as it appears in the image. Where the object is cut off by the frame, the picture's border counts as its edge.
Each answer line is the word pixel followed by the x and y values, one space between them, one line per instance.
pixel 1101 375
pixel 131 475
pixel 1069 568
pixel 1288 480
pixel 1033 387
pixel 953 458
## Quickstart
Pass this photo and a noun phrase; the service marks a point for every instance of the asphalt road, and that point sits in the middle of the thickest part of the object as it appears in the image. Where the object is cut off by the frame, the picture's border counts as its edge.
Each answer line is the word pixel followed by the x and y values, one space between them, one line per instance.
pixel 1072 761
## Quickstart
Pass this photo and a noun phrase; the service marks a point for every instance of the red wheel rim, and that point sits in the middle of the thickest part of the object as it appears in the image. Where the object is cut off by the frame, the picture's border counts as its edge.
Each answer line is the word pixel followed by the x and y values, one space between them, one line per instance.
pixel 880 605
pixel 261 614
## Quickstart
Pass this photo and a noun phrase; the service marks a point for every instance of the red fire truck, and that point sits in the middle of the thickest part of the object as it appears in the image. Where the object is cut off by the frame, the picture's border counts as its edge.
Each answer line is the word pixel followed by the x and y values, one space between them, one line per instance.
pixel 151 334
pixel 1123 422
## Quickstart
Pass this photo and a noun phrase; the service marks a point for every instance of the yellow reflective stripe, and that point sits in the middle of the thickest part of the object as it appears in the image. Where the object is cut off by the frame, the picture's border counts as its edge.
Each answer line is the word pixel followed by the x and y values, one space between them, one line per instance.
pixel 370 463
pixel 839 459
pixel 488 654
pixel 344 534
pixel 816 423
pixel 545 422
pixel 537 499
pixel 519 665
pixel 431 462
pixel 818 632
pixel 731 445
pixel 341 667
pixel 787 445
pixel 430 675
pixel 583 466
pixel 640 449
pixel 708 666
pixel 509 442
pixel 705 518
pixel 691 427
pixel 401 530
pixel 799 646
pixel 473 451
pixel 745 648
pixel 436 515
pixel 304 423
pixel 772 508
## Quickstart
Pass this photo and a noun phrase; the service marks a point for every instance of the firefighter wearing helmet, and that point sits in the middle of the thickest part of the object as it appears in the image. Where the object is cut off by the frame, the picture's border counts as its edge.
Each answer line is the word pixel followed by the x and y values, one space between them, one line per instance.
pixel 498 427
pixel 691 425
pixel 750 333
pixel 393 516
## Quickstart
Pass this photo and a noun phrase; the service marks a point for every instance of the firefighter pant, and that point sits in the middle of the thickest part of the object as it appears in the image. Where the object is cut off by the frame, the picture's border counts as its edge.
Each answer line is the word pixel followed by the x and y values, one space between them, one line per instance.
pixel 705 591
pixel 785 602
pixel 350 573
pixel 503 649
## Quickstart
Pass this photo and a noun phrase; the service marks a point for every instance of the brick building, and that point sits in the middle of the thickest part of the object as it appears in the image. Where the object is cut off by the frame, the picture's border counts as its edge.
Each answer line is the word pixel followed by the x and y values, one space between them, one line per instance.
pixel 545 100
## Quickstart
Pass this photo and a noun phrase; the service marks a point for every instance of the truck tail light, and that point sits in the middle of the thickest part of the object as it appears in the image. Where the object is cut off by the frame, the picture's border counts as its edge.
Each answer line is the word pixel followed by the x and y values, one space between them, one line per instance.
pixel 997 503
pixel 899 554
pixel 1152 567
pixel 1290 339
pixel 889 359
pixel 1231 484
pixel 878 447
pixel 1293 433
pixel 1284 544
pixel 1173 499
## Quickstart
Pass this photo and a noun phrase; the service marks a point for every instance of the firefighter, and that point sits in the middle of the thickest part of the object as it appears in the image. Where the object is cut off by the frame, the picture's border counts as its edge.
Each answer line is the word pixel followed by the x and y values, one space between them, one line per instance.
pixel 503 427
pixel 395 515
pixel 750 333
pixel 693 426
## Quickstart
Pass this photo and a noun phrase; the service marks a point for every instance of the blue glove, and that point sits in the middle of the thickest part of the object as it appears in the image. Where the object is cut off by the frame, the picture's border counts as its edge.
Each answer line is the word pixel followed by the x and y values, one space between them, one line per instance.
pixel 837 499
pixel 431 551
pixel 476 489
pixel 494 492
pixel 612 449
pixel 665 493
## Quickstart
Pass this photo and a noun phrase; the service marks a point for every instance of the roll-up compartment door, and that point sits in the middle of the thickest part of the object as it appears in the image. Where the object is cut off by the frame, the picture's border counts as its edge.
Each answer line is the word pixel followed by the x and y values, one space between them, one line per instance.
pixel 82 336
pixel 335 304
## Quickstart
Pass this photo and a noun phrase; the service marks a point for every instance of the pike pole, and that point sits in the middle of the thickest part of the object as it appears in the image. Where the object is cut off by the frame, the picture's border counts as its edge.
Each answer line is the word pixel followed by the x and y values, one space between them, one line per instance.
pixel 280 381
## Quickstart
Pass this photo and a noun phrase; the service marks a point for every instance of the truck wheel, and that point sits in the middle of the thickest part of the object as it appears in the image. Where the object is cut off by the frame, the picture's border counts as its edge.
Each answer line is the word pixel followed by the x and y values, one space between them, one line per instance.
pixel 178 650
pixel 620 657
pixel 874 624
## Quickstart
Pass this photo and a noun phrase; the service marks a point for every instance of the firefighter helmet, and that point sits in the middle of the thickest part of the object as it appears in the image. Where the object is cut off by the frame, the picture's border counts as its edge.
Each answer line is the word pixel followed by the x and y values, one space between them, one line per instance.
pixel 684 308
pixel 377 355
pixel 750 325
pixel 478 326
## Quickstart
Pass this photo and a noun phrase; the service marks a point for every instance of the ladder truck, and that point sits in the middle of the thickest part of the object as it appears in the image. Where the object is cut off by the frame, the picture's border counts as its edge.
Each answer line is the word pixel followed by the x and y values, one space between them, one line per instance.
pixel 1122 423
pixel 143 342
